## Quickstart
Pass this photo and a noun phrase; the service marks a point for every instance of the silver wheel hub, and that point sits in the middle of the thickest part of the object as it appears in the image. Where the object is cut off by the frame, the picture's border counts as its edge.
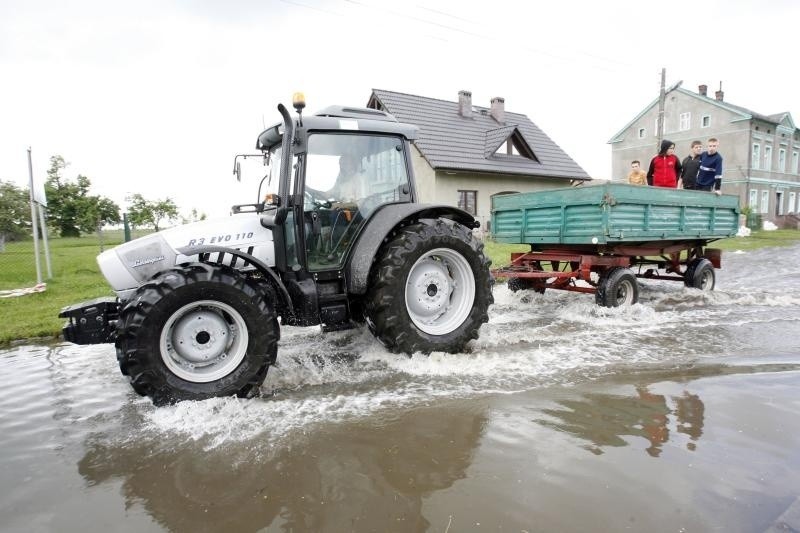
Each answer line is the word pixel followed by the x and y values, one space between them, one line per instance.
pixel 204 341
pixel 440 291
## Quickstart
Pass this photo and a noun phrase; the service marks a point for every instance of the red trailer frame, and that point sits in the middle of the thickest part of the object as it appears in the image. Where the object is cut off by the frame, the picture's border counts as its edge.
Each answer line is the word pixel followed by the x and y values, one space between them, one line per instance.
pixel 616 281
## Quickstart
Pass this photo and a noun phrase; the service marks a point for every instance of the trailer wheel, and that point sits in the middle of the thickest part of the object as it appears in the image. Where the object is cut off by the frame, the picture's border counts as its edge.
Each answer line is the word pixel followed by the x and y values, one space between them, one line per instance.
pixel 700 274
pixel 430 289
pixel 523 284
pixel 197 332
pixel 617 287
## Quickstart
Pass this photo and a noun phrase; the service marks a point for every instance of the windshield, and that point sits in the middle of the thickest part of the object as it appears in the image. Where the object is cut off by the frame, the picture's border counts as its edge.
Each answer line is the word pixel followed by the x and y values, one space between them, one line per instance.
pixel 347 177
pixel 353 168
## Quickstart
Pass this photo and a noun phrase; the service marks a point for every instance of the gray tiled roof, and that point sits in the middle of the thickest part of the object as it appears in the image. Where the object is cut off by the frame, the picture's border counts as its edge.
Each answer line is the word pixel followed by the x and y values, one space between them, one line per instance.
pixel 449 141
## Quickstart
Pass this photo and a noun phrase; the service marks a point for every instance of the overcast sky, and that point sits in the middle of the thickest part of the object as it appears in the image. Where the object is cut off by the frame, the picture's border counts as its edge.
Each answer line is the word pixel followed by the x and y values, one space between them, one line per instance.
pixel 158 96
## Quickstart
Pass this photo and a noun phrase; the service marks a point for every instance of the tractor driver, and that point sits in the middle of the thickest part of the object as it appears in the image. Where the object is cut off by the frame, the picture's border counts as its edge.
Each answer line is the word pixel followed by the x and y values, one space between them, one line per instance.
pixel 349 185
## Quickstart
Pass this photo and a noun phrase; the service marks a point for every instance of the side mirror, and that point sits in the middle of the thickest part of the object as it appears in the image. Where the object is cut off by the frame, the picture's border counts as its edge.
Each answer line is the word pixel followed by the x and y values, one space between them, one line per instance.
pixel 237 170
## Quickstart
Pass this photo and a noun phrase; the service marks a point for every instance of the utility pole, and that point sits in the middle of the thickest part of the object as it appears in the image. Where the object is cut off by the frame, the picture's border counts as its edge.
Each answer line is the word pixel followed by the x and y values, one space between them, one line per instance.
pixel 662 96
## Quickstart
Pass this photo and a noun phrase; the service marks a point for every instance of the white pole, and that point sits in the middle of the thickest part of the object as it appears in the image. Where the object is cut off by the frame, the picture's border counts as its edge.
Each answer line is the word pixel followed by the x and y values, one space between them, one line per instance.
pixel 33 220
pixel 44 240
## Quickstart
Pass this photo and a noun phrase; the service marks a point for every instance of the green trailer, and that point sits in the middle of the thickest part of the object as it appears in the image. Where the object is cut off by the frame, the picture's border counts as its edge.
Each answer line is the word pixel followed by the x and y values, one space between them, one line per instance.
pixel 608 235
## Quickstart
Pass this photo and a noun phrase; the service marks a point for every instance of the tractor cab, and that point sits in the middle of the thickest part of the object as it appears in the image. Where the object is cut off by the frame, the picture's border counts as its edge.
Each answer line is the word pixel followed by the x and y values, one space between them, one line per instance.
pixel 345 165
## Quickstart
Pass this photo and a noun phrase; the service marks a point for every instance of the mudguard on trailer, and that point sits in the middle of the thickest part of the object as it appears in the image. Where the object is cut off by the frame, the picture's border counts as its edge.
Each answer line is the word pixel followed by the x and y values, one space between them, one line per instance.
pixel 381 224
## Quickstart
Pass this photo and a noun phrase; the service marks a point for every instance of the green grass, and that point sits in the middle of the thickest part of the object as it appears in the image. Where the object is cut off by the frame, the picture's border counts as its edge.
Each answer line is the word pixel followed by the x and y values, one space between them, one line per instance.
pixel 759 239
pixel 76 277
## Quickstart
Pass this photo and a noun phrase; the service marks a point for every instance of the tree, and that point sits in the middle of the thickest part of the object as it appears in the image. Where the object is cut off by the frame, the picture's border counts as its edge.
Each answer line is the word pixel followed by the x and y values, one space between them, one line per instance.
pixel 71 210
pixel 96 212
pixel 143 212
pixel 15 212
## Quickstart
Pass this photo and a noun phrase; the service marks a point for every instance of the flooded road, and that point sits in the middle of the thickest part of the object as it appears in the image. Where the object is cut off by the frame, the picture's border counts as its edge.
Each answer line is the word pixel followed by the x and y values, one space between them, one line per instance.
pixel 681 413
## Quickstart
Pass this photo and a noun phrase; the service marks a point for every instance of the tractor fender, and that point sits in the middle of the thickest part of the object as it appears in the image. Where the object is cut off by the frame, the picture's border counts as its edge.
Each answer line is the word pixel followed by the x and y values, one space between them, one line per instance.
pixel 203 252
pixel 382 224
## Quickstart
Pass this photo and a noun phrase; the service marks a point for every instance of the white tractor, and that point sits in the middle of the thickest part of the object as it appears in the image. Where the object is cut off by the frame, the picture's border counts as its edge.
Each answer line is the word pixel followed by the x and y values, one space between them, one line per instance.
pixel 337 239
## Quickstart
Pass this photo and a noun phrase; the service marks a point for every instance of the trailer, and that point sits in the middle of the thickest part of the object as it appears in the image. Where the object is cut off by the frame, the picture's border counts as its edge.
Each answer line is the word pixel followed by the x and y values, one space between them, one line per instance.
pixel 601 238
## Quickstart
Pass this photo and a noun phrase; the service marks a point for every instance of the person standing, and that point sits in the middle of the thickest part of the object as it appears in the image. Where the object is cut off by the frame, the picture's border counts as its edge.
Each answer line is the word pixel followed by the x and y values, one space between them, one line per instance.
pixel 690 166
pixel 637 176
pixel 709 177
pixel 664 167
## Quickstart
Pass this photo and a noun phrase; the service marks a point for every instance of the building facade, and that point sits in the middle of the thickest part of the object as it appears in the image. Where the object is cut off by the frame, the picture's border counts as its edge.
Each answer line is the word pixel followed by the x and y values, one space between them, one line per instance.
pixel 760 152
pixel 467 154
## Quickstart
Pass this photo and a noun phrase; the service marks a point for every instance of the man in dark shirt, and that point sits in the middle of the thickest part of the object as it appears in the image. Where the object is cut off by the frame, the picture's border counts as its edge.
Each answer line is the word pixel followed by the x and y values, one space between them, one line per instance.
pixel 709 177
pixel 691 165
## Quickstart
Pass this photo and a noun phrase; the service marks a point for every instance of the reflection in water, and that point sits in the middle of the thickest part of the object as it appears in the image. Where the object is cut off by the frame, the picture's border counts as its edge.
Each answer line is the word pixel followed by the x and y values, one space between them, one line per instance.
pixel 357 476
pixel 603 419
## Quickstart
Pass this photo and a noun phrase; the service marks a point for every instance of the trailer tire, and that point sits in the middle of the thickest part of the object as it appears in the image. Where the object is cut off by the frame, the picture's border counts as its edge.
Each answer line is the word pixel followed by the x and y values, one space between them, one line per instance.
pixel 523 284
pixel 430 289
pixel 197 332
pixel 700 274
pixel 617 287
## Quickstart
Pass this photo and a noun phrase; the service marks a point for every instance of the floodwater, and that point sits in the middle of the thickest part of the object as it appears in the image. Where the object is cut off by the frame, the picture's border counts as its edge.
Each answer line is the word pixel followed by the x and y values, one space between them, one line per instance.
pixel 681 413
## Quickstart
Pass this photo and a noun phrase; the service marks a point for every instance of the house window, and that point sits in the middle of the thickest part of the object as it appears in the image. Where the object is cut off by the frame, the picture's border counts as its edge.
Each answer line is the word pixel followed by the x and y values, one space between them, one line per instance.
pixel 705 121
pixel 782 160
pixel 767 157
pixel 641 133
pixel 764 202
pixel 790 207
pixel 778 203
pixel 468 201
pixel 753 202
pixel 756 156
pixel 794 162
pixel 686 121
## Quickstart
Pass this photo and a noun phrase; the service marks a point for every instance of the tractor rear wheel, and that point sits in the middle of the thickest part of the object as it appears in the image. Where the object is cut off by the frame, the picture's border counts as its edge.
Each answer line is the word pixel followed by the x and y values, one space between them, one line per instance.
pixel 197 332
pixel 430 289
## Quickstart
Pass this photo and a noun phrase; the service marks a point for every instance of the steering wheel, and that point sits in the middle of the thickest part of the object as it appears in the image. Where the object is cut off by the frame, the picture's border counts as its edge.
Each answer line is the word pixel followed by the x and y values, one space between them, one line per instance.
pixel 318 202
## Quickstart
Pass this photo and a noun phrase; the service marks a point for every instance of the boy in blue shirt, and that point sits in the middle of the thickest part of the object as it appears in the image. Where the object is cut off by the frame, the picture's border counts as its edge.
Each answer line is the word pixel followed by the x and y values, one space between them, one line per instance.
pixel 709 177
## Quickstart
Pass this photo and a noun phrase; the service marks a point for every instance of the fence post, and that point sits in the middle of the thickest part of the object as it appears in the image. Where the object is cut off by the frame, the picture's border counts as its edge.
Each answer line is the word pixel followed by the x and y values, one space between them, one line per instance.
pixel 127 227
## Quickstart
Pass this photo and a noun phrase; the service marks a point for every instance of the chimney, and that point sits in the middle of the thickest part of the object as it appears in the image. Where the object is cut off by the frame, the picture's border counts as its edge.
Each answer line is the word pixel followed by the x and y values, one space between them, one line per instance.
pixel 465 104
pixel 703 90
pixel 719 94
pixel 498 111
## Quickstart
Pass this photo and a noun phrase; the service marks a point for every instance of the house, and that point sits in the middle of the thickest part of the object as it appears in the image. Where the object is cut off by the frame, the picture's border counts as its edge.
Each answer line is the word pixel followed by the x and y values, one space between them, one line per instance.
pixel 466 154
pixel 760 152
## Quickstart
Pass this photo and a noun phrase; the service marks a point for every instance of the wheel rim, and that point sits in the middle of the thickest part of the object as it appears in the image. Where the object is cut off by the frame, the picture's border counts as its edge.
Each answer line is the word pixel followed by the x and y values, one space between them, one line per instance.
pixel 440 291
pixel 706 279
pixel 624 293
pixel 204 341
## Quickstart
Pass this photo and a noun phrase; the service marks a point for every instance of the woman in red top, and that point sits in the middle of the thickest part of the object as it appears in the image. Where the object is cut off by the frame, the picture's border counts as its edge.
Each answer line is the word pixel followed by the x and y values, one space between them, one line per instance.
pixel 665 167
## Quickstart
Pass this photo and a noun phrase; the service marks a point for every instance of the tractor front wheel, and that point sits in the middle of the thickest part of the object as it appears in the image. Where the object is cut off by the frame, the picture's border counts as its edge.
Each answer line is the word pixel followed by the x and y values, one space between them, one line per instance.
pixel 197 332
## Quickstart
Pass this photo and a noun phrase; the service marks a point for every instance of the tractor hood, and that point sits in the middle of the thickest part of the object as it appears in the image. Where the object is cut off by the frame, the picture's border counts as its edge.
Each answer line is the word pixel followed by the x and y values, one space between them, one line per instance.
pixel 129 265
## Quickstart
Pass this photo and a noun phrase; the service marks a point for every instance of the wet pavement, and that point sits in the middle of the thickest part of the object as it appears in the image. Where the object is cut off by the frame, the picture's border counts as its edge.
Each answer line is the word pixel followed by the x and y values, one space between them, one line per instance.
pixel 680 413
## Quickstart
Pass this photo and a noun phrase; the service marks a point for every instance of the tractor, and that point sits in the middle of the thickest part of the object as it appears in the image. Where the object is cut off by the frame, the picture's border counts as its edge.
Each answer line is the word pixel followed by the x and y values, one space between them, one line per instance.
pixel 337 238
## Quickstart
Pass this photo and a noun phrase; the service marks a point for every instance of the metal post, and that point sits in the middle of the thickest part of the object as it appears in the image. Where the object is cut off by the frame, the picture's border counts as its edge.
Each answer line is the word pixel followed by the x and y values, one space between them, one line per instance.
pixel 33 220
pixel 127 227
pixel 662 96
pixel 43 228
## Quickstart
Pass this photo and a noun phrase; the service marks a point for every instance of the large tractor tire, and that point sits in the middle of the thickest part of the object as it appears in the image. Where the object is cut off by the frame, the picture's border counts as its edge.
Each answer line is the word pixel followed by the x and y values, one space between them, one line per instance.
pixel 197 332
pixel 430 289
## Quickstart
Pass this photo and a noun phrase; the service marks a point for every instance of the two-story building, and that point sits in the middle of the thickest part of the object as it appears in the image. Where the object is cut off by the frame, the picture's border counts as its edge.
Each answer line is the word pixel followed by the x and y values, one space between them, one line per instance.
pixel 466 154
pixel 760 152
